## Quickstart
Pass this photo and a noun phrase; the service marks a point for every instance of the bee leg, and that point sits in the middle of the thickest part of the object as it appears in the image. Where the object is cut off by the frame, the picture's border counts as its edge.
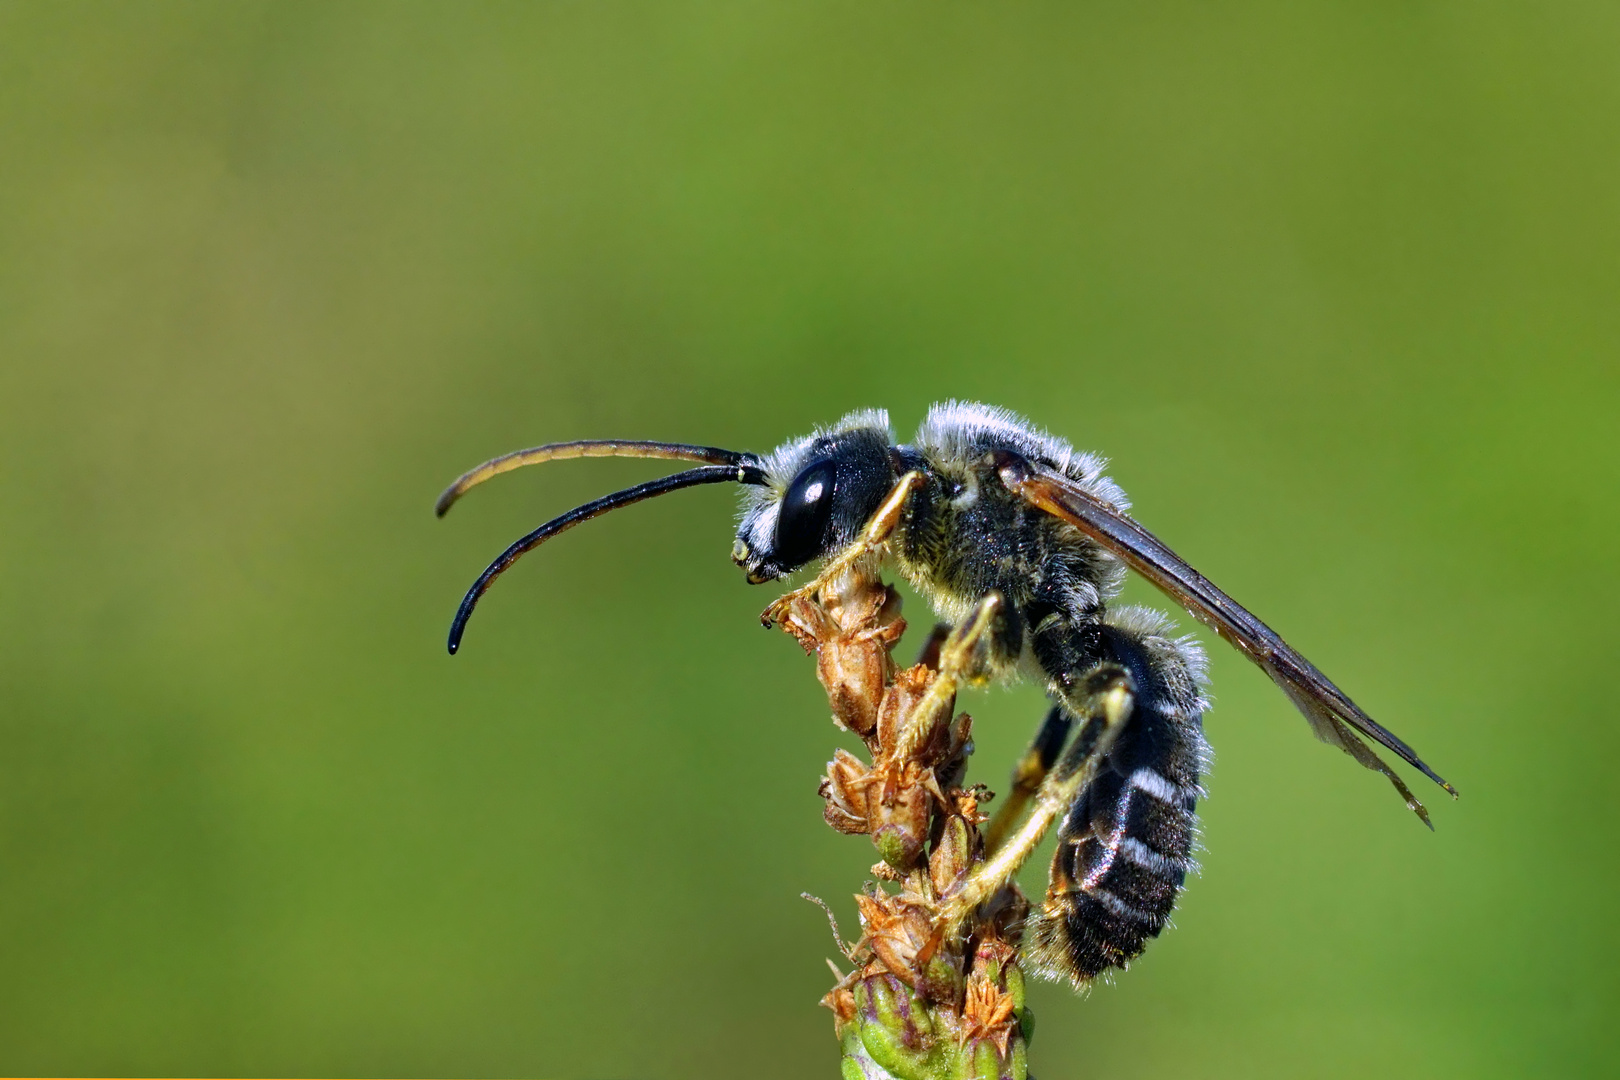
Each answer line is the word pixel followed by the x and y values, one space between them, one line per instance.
pixel 1126 845
pixel 1028 773
pixel 875 532
pixel 1103 700
pixel 959 662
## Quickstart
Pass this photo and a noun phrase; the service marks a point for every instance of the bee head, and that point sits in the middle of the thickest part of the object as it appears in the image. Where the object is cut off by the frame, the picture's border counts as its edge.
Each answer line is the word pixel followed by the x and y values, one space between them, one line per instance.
pixel 818 493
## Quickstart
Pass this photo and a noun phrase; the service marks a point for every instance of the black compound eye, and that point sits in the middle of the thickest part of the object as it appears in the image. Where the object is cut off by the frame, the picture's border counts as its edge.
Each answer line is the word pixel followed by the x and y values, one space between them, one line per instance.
pixel 806 512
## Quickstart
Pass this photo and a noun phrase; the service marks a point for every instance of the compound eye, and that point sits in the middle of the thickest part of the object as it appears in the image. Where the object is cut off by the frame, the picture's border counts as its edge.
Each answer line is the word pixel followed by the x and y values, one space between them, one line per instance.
pixel 805 514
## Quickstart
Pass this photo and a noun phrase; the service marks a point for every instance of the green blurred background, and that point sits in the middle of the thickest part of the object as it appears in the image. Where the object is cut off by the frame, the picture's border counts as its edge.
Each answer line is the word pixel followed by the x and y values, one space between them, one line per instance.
pixel 1335 285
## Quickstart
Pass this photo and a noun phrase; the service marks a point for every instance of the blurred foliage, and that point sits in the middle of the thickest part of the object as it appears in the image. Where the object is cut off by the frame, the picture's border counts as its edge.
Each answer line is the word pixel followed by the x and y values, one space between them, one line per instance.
pixel 1334 284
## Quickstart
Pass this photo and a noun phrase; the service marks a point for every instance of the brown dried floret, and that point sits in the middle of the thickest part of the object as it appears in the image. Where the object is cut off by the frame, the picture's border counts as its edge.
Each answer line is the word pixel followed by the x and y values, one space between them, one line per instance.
pixel 908 991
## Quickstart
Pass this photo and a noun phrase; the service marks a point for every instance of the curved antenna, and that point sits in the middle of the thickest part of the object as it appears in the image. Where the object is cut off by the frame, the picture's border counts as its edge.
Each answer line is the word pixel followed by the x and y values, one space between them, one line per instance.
pixel 713 455
pixel 742 473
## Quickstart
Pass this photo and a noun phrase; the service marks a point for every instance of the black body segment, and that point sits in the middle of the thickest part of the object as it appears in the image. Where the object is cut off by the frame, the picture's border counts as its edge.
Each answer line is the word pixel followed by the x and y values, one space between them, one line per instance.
pixel 1126 845
pixel 1052 734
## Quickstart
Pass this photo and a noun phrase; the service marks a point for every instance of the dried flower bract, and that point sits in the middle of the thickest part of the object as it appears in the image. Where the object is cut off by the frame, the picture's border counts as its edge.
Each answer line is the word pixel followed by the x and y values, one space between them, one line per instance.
pixel 930 996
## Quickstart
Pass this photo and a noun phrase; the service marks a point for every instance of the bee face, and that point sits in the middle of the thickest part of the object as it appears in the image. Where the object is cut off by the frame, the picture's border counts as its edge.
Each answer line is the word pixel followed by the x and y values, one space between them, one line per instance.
pixel 818 493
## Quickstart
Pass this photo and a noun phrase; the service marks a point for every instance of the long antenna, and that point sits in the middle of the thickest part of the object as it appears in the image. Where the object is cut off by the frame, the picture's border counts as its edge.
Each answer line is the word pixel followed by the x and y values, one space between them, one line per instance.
pixel 713 455
pixel 744 472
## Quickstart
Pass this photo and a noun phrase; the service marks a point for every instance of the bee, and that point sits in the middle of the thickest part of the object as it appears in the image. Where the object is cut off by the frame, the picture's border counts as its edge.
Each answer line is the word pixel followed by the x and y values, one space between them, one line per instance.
pixel 999 523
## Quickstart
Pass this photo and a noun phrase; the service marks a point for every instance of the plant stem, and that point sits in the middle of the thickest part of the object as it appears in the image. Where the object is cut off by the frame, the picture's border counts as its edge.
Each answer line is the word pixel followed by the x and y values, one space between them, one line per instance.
pixel 928 999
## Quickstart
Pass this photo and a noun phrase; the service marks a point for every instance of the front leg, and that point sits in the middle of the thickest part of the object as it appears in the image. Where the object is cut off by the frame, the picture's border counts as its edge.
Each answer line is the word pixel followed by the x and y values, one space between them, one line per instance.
pixel 959 662
pixel 872 536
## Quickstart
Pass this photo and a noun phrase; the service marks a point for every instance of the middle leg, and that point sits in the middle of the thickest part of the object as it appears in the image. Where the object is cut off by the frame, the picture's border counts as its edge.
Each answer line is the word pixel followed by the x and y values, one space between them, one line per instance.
pixel 1027 775
pixel 1103 699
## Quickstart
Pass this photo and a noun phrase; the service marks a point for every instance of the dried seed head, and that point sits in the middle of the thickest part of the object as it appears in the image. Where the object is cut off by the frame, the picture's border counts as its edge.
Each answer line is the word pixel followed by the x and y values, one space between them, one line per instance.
pixel 895 932
pixel 954 856
pixel 851 636
pixel 847 789
pixel 841 1000
pixel 901 814
pixel 987 1013
pixel 926 999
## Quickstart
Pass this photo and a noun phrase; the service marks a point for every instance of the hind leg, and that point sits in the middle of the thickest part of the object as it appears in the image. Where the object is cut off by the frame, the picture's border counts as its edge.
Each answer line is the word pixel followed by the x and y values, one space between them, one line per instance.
pixel 1103 698
pixel 1134 767
pixel 1126 843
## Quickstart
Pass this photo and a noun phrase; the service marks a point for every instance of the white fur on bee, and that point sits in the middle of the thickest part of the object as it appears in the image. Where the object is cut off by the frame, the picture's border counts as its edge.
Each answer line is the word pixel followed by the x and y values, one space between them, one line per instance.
pixel 760 505
pixel 955 430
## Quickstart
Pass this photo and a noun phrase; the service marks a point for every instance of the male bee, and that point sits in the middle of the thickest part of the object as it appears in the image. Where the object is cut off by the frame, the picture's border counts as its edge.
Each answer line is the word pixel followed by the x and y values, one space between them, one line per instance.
pixel 982 505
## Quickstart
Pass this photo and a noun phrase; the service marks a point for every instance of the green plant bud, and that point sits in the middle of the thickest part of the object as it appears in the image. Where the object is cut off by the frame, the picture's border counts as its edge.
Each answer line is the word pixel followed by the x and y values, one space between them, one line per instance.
pixel 1013 980
pixel 896 1028
pixel 941 979
pixel 980 1062
pixel 898 846
pixel 953 856
pixel 856 1063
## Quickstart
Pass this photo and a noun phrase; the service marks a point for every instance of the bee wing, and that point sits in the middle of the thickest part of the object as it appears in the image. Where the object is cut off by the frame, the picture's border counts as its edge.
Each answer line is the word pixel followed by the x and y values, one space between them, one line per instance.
pixel 1332 715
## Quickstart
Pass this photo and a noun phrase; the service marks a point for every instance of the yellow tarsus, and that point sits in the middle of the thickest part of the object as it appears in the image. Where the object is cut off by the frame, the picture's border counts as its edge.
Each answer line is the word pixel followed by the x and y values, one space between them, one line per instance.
pixel 955 667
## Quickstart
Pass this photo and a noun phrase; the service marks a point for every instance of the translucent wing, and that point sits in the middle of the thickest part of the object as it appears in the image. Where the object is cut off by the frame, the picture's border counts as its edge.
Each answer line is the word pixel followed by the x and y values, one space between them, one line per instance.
pixel 1332 715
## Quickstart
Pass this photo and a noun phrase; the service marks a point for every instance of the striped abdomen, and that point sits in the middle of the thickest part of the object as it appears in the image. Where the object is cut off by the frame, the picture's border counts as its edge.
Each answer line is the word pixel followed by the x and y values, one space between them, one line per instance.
pixel 1126 845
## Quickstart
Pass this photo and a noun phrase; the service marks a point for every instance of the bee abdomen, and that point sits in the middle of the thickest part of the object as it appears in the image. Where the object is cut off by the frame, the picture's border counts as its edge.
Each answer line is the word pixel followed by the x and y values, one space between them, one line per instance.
pixel 1126 845
pixel 1123 856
